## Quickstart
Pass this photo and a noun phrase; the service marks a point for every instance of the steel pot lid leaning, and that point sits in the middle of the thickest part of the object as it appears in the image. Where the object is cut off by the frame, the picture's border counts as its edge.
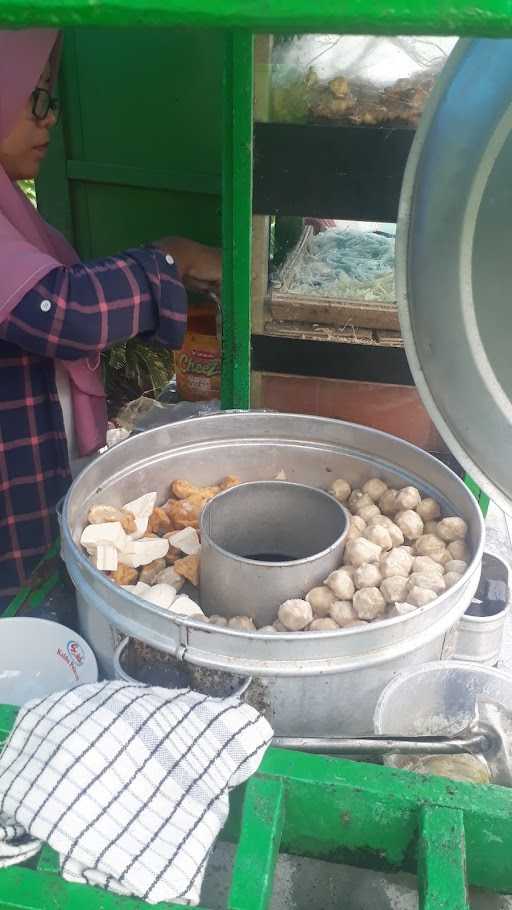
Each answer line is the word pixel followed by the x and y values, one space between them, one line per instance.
pixel 454 263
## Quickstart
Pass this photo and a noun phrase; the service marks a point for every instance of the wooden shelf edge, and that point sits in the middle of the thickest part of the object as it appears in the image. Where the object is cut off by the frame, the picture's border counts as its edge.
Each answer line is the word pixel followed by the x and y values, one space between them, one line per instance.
pixel 341 313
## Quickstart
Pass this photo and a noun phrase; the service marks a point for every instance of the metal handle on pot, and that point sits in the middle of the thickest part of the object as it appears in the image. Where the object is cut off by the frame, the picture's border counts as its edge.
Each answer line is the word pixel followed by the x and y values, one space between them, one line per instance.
pixel 239 691
pixel 385 745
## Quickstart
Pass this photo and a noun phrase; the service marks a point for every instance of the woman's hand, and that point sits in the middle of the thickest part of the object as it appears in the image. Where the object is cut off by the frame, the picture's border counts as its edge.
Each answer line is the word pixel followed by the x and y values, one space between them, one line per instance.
pixel 200 266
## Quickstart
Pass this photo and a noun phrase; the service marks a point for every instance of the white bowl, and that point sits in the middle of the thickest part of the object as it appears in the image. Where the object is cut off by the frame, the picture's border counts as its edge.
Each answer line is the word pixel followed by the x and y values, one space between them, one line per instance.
pixel 38 657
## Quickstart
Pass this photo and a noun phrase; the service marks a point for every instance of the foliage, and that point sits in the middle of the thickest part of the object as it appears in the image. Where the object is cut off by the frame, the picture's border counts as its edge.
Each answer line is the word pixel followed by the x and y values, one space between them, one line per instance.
pixel 132 369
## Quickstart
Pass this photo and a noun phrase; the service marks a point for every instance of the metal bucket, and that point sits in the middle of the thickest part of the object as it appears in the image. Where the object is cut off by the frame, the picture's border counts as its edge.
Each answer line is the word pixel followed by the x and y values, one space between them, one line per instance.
pixel 479 638
pixel 316 683
pixel 137 663
pixel 243 532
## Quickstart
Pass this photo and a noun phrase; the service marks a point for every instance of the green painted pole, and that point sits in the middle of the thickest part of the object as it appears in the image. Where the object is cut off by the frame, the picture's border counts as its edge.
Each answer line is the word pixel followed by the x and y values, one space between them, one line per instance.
pixel 385 17
pixel 237 220
pixel 442 860
pixel 258 848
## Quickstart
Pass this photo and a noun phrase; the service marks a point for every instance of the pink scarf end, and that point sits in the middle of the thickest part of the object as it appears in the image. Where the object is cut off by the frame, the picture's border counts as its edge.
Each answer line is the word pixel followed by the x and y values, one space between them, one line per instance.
pixel 89 405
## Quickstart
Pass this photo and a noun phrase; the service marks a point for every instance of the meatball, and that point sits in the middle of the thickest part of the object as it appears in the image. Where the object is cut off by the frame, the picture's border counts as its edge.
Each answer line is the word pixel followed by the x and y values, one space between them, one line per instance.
pixel 295 614
pixel 369 603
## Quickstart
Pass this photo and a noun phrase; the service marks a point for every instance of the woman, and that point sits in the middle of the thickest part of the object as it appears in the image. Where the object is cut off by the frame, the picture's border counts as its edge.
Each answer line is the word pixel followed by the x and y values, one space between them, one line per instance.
pixel 57 315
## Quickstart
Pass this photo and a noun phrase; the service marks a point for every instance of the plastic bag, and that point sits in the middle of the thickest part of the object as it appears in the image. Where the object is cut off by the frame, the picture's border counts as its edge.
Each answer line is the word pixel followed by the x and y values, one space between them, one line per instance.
pixel 173 413
pixel 359 79
pixel 133 411
pixel 115 435
pixel 146 413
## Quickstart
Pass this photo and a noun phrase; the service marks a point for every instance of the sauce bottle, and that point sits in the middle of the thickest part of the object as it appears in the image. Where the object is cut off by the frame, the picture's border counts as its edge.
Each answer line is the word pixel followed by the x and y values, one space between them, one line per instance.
pixel 198 362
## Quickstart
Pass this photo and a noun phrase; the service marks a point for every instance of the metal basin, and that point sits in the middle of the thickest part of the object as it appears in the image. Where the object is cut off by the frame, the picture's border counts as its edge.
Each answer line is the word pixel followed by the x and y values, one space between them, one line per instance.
pixel 309 683
pixel 480 638
pixel 438 698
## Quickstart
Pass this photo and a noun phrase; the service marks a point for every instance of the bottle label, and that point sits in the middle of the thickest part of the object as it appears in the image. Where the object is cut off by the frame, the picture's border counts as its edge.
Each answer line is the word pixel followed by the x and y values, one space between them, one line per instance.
pixel 198 368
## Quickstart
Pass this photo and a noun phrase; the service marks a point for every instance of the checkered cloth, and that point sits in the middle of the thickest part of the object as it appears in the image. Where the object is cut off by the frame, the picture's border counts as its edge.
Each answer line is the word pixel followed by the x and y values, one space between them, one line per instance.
pixel 128 783
pixel 92 307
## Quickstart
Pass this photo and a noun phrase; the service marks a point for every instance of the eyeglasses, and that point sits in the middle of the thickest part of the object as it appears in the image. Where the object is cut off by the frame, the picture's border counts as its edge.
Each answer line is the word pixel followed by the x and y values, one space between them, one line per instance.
pixel 43 103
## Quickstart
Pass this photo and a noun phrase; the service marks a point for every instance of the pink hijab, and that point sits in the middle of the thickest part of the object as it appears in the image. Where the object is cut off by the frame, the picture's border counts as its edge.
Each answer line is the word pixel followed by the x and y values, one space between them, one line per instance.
pixel 30 248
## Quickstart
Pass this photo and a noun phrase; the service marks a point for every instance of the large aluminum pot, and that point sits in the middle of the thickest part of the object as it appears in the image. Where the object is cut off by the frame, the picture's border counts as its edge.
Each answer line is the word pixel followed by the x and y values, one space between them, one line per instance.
pixel 316 683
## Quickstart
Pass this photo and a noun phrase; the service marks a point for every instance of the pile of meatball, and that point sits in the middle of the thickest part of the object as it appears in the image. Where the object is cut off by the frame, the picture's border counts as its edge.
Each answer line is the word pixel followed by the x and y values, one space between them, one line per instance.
pixel 400 555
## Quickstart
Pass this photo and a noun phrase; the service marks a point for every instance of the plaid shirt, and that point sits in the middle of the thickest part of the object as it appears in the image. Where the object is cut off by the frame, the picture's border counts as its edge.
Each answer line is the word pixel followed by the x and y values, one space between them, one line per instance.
pixel 73 313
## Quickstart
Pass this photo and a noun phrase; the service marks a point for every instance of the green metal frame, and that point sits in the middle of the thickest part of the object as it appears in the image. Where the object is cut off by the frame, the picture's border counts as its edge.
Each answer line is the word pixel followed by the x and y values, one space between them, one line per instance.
pixel 451 835
pixel 93 186
pixel 45 578
pixel 420 17
pixel 237 219
pixel 481 497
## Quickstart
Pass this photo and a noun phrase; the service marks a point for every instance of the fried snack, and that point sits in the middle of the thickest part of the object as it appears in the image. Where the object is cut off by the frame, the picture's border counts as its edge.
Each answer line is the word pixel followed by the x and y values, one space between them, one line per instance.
pixel 230 481
pixel 169 576
pixel 172 556
pixel 149 573
pixel 339 87
pixel 125 575
pixel 128 521
pixel 101 514
pixel 169 505
pixel 183 513
pixel 188 568
pixel 173 553
pixel 198 501
pixel 159 522
pixel 182 489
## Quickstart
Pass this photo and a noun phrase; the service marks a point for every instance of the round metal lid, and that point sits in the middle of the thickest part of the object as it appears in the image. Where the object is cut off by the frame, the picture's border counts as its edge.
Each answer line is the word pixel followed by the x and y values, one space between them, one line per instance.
pixel 454 261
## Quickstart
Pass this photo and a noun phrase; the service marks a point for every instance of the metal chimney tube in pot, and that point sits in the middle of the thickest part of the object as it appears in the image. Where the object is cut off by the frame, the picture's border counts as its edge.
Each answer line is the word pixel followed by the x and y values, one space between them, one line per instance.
pixel 265 542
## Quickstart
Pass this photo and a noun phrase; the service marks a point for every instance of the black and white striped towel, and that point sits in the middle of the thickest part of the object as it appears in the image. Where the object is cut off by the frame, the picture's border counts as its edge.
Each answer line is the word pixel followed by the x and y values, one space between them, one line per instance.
pixel 129 784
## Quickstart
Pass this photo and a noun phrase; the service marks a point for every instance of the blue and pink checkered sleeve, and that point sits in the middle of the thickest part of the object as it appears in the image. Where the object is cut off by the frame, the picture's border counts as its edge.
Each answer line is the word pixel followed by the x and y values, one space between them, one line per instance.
pixel 80 310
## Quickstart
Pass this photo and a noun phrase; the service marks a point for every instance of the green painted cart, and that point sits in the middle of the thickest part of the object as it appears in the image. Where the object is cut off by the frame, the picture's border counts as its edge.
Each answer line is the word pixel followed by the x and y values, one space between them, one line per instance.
pixel 450 835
